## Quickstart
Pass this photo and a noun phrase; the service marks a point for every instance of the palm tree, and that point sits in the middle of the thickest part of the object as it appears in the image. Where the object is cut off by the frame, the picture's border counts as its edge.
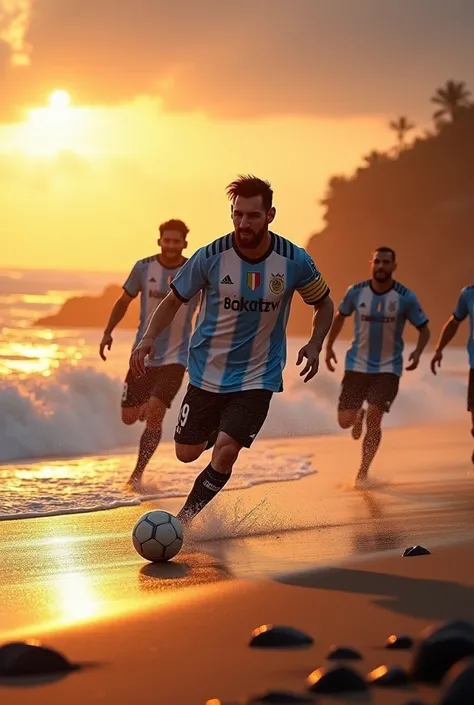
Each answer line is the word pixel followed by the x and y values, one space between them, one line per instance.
pixel 401 126
pixel 374 158
pixel 452 98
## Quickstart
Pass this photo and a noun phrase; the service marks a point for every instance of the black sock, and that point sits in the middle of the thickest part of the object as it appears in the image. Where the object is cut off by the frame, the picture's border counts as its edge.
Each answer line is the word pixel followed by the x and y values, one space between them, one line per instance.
pixel 148 444
pixel 205 488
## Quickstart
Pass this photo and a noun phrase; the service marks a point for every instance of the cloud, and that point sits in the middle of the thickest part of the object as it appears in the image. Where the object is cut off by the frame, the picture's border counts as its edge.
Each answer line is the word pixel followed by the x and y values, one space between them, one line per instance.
pixel 15 18
pixel 242 60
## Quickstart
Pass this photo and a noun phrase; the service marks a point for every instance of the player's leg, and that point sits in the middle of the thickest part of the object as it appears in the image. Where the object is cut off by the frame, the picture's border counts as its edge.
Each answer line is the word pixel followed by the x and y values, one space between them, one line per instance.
pixel 380 396
pixel 164 384
pixel 243 415
pixel 470 404
pixel 134 398
pixel 198 418
pixel 350 412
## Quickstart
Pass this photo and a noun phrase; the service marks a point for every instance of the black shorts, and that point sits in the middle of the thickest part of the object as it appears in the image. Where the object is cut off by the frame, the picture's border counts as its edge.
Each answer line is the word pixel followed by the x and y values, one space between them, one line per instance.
pixel 470 391
pixel 378 389
pixel 162 382
pixel 239 414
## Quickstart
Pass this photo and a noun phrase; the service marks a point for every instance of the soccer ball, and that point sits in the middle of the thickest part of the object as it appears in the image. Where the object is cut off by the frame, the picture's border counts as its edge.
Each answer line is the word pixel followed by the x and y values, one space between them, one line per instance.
pixel 157 536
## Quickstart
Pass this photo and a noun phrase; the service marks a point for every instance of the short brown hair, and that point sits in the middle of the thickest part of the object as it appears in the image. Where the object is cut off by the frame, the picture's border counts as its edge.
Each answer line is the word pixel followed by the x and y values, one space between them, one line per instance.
pixel 174 224
pixel 250 186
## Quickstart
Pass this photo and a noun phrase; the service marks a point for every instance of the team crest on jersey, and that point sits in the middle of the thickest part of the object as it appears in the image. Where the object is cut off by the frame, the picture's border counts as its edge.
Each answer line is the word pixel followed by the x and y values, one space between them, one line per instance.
pixel 392 307
pixel 277 283
pixel 254 280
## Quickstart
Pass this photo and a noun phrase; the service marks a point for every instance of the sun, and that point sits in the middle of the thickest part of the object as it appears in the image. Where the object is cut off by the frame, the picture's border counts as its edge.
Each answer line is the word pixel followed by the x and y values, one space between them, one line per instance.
pixel 59 100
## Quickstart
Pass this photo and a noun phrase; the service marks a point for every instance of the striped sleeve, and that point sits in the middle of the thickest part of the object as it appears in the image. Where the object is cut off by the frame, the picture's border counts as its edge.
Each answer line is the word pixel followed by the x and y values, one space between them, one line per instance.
pixel 191 278
pixel 311 286
pixel 461 311
pixel 133 285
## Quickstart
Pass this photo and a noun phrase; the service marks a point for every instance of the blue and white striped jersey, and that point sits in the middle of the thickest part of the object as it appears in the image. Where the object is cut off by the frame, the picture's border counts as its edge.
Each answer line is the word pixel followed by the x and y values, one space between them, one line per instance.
pixel 378 326
pixel 151 280
pixel 239 341
pixel 465 308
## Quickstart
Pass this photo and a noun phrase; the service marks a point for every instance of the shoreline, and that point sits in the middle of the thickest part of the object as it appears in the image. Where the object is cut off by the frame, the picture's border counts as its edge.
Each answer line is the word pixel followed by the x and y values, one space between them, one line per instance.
pixel 81 567
pixel 316 448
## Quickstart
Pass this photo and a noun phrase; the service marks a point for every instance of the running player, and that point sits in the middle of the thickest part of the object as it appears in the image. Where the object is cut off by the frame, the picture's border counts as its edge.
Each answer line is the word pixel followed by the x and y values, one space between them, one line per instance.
pixel 464 308
pixel 147 398
pixel 238 349
pixel 374 362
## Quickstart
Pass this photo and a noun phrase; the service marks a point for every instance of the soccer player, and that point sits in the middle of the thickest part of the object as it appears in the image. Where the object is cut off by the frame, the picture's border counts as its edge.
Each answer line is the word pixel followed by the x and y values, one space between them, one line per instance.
pixel 464 308
pixel 238 349
pixel 148 397
pixel 374 362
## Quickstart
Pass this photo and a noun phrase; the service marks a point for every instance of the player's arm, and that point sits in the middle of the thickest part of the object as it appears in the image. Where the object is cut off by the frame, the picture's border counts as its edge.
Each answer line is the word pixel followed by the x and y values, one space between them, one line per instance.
pixel 162 317
pixel 419 320
pixel 346 308
pixel 449 330
pixel 131 289
pixel 314 292
pixel 190 279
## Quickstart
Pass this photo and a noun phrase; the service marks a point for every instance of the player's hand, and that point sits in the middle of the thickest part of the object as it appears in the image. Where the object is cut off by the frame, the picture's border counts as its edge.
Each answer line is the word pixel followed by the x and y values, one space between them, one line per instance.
pixel 414 357
pixel 436 361
pixel 311 352
pixel 137 358
pixel 106 342
pixel 330 356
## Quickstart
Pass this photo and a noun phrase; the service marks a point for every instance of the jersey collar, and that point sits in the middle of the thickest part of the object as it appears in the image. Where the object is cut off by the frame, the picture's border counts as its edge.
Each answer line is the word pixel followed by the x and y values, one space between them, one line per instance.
pixel 260 259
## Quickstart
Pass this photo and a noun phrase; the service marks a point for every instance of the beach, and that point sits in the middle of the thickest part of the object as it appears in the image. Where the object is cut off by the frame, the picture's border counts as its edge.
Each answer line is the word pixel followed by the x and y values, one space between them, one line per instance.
pixel 290 518
pixel 76 583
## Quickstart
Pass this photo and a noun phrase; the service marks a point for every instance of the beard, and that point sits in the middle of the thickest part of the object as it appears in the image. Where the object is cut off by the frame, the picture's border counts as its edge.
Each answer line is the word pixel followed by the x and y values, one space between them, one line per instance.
pixel 248 239
pixel 381 277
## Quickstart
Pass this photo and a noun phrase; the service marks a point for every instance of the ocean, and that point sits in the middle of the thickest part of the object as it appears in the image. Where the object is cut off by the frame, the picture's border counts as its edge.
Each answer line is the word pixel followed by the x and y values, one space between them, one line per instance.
pixel 63 448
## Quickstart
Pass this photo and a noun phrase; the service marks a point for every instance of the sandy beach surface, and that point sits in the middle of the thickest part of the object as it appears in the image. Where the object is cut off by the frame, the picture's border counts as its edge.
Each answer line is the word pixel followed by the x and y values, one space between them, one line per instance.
pixel 178 633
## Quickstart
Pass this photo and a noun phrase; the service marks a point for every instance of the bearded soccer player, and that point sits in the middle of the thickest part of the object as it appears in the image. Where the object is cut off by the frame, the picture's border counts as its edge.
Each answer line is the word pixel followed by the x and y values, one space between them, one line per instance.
pixel 148 397
pixel 374 363
pixel 238 350
pixel 464 309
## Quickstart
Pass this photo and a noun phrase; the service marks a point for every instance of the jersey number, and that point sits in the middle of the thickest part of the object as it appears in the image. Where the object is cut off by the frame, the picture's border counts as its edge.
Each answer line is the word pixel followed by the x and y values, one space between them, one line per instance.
pixel 183 417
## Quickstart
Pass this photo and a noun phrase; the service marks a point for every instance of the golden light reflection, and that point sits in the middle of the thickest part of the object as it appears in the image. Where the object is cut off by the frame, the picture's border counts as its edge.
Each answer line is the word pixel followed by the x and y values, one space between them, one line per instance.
pixel 75 597
pixel 32 358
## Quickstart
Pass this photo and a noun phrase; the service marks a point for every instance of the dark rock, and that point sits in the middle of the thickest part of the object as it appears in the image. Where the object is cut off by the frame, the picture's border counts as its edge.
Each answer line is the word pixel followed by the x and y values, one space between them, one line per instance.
pixel 343 653
pixel 458 687
pixel 30 658
pixel 391 677
pixel 338 679
pixel 279 697
pixel 270 637
pixel 440 648
pixel 395 641
pixel 416 551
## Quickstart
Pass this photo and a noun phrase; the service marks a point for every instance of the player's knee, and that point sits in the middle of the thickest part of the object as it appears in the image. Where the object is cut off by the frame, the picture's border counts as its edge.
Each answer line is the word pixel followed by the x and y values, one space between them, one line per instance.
pixel 346 418
pixel 225 453
pixel 187 454
pixel 374 418
pixel 129 416
pixel 154 414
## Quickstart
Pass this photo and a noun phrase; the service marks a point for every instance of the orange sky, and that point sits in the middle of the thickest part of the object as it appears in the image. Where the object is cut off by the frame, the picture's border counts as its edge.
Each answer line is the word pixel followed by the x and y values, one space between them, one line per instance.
pixel 171 100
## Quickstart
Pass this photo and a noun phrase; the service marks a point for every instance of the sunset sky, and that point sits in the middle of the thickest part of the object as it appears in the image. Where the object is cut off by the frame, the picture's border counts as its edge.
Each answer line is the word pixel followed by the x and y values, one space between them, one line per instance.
pixel 170 100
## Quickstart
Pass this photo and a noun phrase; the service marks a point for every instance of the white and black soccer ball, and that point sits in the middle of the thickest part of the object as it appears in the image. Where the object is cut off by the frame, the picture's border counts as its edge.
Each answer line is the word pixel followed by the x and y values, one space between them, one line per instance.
pixel 158 536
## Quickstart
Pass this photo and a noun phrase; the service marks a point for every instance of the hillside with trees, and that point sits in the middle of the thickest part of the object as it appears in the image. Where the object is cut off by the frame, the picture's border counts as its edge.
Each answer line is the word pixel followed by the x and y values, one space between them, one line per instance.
pixel 418 199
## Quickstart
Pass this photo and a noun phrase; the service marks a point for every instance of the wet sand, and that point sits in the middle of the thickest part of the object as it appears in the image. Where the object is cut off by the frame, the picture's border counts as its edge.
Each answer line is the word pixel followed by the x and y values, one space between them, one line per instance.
pixel 68 570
